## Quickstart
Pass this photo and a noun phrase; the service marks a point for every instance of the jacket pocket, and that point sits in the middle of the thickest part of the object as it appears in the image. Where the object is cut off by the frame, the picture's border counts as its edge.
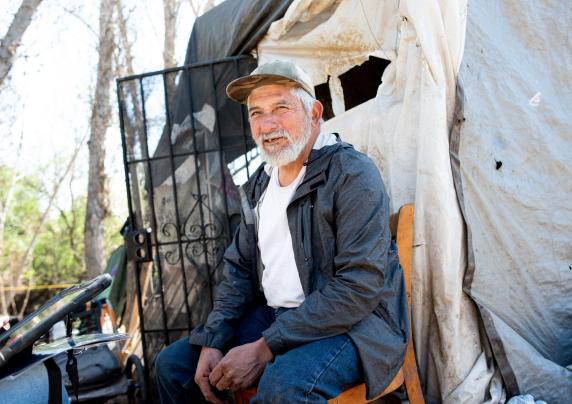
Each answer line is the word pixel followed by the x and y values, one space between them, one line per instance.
pixel 382 312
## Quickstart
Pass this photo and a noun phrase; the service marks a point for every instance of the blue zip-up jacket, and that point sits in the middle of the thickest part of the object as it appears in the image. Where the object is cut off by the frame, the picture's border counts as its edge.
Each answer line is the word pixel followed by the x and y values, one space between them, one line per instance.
pixel 348 266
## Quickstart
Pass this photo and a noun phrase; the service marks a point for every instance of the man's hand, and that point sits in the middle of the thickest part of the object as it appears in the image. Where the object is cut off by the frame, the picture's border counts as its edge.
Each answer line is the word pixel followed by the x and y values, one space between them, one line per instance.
pixel 208 360
pixel 241 367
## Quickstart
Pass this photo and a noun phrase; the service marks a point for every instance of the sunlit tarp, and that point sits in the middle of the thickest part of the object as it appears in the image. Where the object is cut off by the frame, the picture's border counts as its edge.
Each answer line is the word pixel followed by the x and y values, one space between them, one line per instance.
pixel 514 147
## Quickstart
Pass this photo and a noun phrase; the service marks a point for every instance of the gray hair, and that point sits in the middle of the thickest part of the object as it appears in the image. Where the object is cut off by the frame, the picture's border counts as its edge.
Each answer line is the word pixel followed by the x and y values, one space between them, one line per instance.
pixel 305 98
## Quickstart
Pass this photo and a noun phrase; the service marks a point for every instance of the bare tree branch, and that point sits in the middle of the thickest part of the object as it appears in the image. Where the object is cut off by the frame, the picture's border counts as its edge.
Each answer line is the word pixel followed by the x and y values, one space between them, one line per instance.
pixel 133 126
pixel 197 9
pixel 26 299
pixel 74 14
pixel 11 41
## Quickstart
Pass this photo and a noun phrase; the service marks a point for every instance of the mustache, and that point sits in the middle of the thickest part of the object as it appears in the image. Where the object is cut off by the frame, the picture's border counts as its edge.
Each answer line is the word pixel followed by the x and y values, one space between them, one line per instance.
pixel 275 135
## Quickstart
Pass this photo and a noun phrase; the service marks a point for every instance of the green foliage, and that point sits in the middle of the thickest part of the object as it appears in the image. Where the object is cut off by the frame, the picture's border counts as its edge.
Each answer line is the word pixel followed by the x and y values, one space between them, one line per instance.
pixel 113 237
pixel 23 212
pixel 58 253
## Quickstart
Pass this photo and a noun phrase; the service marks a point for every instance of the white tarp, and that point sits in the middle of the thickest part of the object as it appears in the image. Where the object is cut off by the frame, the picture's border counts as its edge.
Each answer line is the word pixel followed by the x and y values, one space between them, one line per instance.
pixel 515 155
pixel 405 129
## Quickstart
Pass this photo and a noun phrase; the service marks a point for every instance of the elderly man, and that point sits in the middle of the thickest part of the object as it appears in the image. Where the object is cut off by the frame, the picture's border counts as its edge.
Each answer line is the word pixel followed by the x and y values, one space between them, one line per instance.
pixel 312 299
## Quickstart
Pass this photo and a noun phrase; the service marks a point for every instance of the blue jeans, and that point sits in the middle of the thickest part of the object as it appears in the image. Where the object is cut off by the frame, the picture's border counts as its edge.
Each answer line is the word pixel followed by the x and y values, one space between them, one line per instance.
pixel 310 373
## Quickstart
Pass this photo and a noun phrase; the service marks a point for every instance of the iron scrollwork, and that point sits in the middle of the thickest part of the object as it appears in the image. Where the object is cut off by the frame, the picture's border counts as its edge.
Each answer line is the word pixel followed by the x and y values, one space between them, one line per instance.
pixel 202 234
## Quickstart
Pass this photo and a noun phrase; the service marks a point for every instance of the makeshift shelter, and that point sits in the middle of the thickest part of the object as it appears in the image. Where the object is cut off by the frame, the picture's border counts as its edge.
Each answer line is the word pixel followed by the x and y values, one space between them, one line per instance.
pixel 469 123
pixel 463 106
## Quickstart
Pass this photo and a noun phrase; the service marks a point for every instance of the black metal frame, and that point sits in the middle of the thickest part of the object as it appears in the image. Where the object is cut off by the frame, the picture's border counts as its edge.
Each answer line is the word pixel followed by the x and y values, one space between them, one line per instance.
pixel 188 241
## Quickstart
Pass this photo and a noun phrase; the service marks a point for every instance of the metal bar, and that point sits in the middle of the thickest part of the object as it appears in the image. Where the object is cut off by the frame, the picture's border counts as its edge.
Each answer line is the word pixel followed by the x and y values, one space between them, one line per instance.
pixel 221 157
pixel 152 207
pixel 175 196
pixel 159 330
pixel 141 322
pixel 201 213
pixel 184 67
pixel 125 164
pixel 184 154
pixel 132 224
pixel 242 167
pixel 242 126
pixel 168 243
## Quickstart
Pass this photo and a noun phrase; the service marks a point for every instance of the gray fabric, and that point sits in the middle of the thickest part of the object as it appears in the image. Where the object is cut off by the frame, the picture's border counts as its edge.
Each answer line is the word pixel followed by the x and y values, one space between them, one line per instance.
pixel 348 266
pixel 244 22
pixel 514 173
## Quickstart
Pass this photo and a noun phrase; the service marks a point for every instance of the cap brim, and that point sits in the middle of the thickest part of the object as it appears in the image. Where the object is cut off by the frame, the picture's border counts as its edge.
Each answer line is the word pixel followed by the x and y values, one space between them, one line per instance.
pixel 239 89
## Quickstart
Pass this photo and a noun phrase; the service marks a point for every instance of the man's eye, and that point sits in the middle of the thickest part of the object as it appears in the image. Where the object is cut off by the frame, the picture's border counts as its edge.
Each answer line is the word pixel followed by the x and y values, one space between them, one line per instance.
pixel 254 114
pixel 281 108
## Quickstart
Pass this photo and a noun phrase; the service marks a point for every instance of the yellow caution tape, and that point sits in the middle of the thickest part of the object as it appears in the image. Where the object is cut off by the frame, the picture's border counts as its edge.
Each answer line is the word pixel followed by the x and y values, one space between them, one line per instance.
pixel 36 287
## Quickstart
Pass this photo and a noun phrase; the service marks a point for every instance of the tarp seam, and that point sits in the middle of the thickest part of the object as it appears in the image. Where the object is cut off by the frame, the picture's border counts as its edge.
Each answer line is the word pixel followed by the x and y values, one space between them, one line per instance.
pixel 497 346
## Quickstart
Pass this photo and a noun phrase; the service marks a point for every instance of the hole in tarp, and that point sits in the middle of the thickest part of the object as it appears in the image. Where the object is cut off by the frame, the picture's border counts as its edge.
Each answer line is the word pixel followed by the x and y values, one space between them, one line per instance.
pixel 323 94
pixel 360 82
pixel 359 85
pixel 498 164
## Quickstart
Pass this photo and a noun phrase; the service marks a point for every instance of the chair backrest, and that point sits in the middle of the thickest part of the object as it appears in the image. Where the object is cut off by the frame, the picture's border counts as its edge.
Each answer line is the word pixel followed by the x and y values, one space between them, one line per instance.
pixel 401 224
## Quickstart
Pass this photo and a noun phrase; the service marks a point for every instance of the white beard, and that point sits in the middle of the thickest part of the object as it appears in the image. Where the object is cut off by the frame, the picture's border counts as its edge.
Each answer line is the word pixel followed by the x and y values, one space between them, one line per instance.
pixel 279 156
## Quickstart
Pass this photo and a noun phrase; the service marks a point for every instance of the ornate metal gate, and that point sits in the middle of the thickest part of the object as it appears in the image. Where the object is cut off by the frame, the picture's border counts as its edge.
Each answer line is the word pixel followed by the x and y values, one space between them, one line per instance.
pixel 185 148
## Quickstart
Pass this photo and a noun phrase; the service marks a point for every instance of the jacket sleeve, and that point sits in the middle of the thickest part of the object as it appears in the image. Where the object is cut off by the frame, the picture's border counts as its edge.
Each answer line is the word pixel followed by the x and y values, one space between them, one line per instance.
pixel 360 215
pixel 233 294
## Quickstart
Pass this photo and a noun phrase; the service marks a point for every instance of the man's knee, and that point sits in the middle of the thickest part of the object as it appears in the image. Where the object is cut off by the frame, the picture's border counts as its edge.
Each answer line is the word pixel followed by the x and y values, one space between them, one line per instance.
pixel 167 357
pixel 163 362
pixel 313 372
pixel 274 387
pixel 177 360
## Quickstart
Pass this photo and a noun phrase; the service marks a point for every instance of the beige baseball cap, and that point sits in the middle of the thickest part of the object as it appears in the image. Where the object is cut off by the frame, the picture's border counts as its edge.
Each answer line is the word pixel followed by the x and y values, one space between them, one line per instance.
pixel 278 72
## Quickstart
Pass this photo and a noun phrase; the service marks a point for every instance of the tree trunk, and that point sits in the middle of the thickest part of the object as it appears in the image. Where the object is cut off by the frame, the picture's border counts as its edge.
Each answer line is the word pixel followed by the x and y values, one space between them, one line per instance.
pixel 97 194
pixel 5 206
pixel 13 37
pixel 170 14
pixel 4 209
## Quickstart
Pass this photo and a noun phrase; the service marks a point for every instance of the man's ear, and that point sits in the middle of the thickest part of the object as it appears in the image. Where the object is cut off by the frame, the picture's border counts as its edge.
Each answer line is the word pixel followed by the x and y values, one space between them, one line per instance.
pixel 317 111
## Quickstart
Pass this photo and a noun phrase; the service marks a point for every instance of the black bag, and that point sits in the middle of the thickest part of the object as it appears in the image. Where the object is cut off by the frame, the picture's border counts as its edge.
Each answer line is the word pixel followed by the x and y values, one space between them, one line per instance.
pixel 97 366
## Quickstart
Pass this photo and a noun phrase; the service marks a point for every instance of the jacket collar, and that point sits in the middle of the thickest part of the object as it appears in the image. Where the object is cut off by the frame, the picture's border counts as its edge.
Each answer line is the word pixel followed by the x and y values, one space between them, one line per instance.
pixel 316 168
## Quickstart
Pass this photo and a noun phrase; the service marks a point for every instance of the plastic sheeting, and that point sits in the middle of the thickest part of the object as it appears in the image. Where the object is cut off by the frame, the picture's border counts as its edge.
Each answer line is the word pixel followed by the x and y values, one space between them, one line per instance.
pixel 405 129
pixel 514 149
pixel 245 22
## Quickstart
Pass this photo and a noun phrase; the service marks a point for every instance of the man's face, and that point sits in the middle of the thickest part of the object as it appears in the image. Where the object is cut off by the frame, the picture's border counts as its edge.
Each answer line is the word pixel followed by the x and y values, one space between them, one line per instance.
pixel 280 126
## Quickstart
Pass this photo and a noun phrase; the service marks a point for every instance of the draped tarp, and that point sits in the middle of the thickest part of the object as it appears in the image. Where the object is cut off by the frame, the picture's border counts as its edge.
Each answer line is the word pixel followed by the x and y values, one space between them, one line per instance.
pixel 232 28
pixel 500 145
pixel 513 149
pixel 405 129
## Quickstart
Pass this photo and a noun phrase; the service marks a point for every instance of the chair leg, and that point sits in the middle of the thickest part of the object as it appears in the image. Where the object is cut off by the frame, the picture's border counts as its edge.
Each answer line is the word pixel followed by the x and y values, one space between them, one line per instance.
pixel 411 376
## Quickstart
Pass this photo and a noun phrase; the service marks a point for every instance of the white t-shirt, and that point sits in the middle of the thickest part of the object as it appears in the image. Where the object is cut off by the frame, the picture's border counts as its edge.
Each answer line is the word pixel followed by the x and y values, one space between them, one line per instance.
pixel 280 279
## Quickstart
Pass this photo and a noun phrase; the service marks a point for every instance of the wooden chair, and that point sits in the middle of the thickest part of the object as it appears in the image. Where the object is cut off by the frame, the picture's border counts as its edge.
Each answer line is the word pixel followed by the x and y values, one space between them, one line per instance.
pixel 402 229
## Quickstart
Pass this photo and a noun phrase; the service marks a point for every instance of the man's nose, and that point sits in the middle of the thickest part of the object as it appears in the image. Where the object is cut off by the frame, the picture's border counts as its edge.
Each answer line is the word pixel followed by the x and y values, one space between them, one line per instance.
pixel 268 123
